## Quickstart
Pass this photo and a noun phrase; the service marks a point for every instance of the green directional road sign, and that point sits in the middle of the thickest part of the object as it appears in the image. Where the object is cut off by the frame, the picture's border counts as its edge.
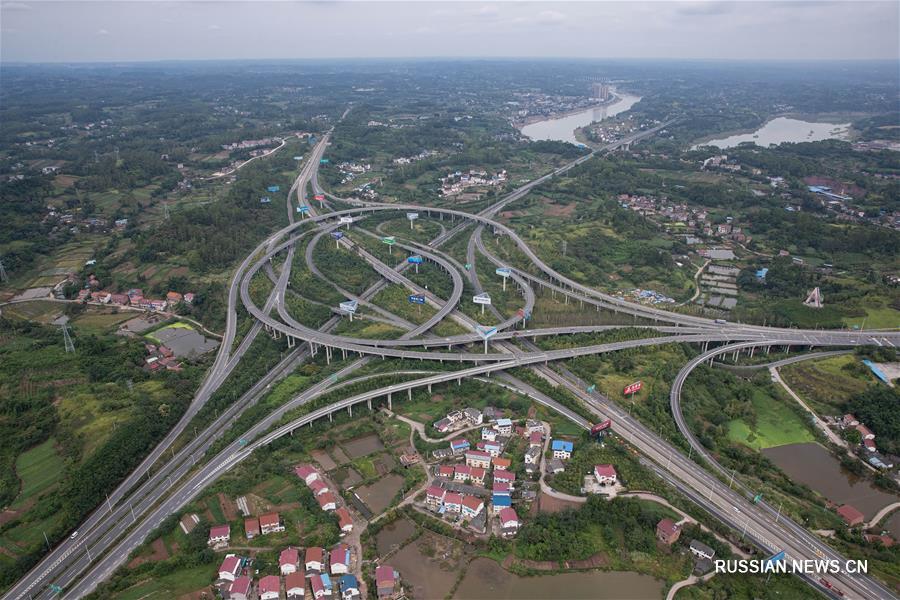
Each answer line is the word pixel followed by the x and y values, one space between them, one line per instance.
pixel 757 498
pixel 55 588
pixel 390 240
pixel 242 442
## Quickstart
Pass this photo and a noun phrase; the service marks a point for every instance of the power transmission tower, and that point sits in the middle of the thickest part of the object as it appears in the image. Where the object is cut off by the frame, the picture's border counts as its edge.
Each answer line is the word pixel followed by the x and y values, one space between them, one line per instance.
pixel 70 347
pixel 3 276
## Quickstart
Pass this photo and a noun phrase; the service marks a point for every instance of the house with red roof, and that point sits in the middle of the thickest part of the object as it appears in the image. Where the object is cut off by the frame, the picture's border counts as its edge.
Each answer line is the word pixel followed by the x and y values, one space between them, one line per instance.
pixel 294 585
pixel 219 535
pixel 316 586
pixel 452 502
pixel 240 588
pixel 501 463
pixel 340 560
pixel 865 432
pixel 471 506
pixel 850 515
pixel 230 567
pixel 446 471
pixel 307 473
pixel 386 579
pixel 318 487
pixel 315 559
pixel 270 587
pixel 505 477
pixel 605 474
pixel 327 501
pixel 870 445
pixel 173 299
pixel 476 475
pixel 434 496
pixel 667 531
pixel 270 523
pixel 535 438
pixel 251 528
pixel 289 560
pixel 345 522
pixel 509 522
pixel 462 472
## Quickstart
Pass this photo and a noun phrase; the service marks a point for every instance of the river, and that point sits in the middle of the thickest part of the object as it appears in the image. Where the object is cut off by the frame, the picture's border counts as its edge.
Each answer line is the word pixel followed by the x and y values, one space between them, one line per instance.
pixel 813 465
pixel 487 579
pixel 784 129
pixel 563 128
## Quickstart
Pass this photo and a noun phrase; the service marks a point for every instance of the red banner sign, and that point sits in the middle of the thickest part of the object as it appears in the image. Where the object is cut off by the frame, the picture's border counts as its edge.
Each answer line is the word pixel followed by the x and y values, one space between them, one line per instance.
pixel 634 387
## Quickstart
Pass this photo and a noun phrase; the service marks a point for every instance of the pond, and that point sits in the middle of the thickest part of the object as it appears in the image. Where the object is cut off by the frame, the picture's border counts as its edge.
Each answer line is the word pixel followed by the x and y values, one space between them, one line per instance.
pixel 378 495
pixel 487 579
pixel 563 128
pixel 784 129
pixel 362 446
pixel 394 535
pixel 813 465
pixel 429 566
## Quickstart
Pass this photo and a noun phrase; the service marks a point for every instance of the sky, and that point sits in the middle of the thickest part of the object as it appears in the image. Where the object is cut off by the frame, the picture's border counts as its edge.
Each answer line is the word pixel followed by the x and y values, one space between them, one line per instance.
pixel 145 30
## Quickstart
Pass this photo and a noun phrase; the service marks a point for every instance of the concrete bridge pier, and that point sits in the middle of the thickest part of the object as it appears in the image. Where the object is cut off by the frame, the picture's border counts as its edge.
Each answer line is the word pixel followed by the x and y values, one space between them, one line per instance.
pixel 330 417
pixel 429 388
pixel 350 409
pixel 408 394
pixel 344 353
pixel 767 350
pixel 369 402
pixel 459 381
pixel 327 355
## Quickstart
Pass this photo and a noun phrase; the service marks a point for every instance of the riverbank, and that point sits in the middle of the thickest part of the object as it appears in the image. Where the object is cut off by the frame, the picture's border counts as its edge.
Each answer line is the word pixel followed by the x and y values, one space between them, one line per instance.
pixel 815 119
pixel 562 115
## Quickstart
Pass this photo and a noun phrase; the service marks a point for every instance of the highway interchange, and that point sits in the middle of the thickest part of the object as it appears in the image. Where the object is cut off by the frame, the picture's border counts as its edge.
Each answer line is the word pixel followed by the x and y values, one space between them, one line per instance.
pixel 175 473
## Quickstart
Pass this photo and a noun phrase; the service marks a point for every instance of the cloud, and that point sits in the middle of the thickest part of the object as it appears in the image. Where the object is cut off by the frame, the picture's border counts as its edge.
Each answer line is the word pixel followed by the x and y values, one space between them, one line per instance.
pixel 102 32
pixel 550 17
pixel 424 29
pixel 15 6
pixel 214 27
pixel 704 7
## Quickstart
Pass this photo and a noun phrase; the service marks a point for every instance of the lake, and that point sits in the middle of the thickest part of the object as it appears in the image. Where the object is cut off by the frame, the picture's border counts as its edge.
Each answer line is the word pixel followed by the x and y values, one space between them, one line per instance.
pixel 487 579
pixel 784 129
pixel 563 128
pixel 813 465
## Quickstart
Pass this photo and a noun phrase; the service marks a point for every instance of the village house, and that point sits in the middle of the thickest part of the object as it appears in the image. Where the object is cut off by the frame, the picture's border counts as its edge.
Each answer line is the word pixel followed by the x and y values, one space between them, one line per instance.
pixel 501 463
pixel 289 560
pixel 327 501
pixel 314 559
pixel 270 523
pixel 240 588
pixel 492 448
pixel 605 474
pixel 251 528
pixel 443 425
pixel 509 522
pixel 849 420
pixel 434 496
pixel 556 466
pixel 471 506
pixel 317 587
pixel 851 516
pixel 701 550
pixel 535 439
pixel 667 531
pixel 340 559
pixel 219 535
pixel 446 471
pixel 269 587
pixel 345 522
pixel 532 457
pixel 534 426
pixel 504 426
pixel 318 487
pixel 173 299
pixel 459 445
pixel 294 585
pixel 230 567
pixel 307 473
pixel 477 458
pixel 504 476
pixel 561 449
pixel 476 475
pixel 865 432
pixel 474 416
pixel 489 434
pixel 452 502
pixel 462 473
pixel 349 587
pixel 386 579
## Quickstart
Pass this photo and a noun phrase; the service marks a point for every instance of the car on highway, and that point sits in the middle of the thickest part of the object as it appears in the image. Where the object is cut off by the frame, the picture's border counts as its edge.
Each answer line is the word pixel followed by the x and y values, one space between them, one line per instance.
pixel 74 535
pixel 736 509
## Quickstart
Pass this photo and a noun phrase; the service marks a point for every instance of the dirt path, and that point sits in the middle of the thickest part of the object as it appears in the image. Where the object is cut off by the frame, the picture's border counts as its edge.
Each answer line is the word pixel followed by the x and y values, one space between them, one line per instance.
pixel 545 488
pixel 420 428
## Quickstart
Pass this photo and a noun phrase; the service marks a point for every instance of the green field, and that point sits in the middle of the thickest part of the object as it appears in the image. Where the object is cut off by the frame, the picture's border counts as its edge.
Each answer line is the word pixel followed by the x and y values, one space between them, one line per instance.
pixel 171 585
pixel 826 385
pixel 876 318
pixel 776 425
pixel 39 469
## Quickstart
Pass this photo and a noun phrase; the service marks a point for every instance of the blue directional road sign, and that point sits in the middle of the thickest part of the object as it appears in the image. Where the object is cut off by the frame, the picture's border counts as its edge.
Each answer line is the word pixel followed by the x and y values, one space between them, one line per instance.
pixel 591 388
pixel 273 188
pixel 416 299
pixel 242 442
pixel 349 306
pixel 337 234
pixel 780 556
pixel 303 209
pixel 298 158
pixel 415 259
pixel 324 161
pixel 486 332
pixel 503 271
pixel 265 200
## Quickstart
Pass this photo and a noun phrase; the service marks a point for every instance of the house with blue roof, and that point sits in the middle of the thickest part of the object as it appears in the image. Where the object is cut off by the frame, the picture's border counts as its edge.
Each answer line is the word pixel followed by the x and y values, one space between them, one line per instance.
pixel 562 449
pixel 504 426
pixel 349 587
pixel 459 445
pixel 501 500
